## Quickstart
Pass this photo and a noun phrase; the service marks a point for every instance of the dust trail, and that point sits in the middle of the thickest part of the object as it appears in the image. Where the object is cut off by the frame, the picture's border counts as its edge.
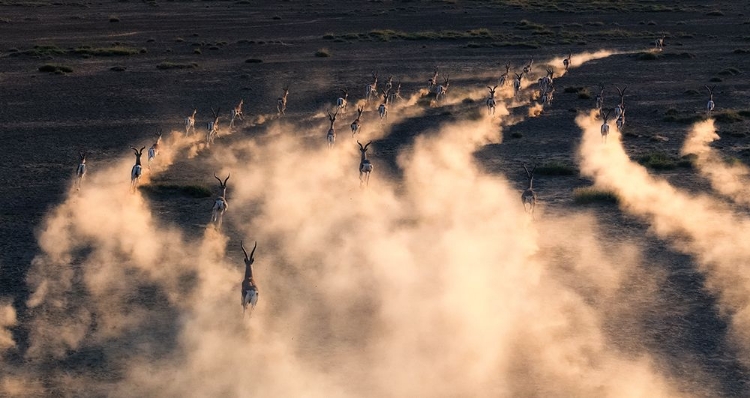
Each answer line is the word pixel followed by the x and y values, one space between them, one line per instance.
pixel 434 285
pixel 7 320
pixel 728 179
pixel 441 279
pixel 579 59
pixel 697 224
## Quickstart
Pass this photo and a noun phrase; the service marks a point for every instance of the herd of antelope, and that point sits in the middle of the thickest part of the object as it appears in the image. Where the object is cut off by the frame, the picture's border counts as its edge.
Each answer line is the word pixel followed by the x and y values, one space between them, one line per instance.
pixel 543 92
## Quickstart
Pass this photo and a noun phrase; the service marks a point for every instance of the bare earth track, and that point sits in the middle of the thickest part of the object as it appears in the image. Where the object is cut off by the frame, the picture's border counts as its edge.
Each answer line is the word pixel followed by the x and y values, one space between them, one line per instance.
pixel 47 118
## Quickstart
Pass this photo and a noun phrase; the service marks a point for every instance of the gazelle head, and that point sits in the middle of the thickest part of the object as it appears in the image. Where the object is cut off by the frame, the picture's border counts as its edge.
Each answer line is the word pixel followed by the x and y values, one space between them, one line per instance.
pixel 286 90
pixel 359 112
pixel 363 149
pixel 601 90
pixel 507 68
pixel 621 93
pixel 195 110
pixel 529 174
pixel 492 91
pixel 374 77
pixel 82 156
pixel 158 137
pixel 345 92
pixel 216 115
pixel 138 154
pixel 605 115
pixel 710 92
pixel 223 184
pixel 332 118
pixel 249 260
pixel 550 72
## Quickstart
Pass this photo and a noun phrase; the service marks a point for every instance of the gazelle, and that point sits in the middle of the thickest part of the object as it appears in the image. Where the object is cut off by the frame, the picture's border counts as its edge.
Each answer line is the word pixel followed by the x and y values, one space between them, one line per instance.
pixel 659 43
pixel 371 90
pixel 504 76
pixel 432 82
pixel 395 95
pixel 442 89
pixel 341 101
pixel 383 112
pixel 546 82
pixel 237 113
pixel 619 108
pixel 154 149
pixel 566 61
pixel 190 123
pixel 621 120
pixel 135 172
pixel 365 167
pixel 212 127
pixel 600 97
pixel 528 197
pixel 331 136
pixel 249 288
pixel 281 102
pixel 605 126
pixel 355 123
pixel 220 205
pixel 491 100
pixel 710 104
pixel 548 95
pixel 517 84
pixel 80 170
pixel 389 83
pixel 527 68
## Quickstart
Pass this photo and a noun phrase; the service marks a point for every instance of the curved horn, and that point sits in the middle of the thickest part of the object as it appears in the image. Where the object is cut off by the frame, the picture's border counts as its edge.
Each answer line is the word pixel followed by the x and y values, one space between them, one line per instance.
pixel 243 250
pixel 226 179
pixel 252 253
pixel 360 146
pixel 368 144
pixel 219 179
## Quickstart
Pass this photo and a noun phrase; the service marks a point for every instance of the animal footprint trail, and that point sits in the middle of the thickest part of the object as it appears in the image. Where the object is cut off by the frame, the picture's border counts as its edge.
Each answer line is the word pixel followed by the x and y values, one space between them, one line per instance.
pixel 698 225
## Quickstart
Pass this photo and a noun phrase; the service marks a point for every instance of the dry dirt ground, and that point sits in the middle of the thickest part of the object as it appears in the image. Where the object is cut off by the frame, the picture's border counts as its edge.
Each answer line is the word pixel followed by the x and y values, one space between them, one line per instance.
pixel 47 118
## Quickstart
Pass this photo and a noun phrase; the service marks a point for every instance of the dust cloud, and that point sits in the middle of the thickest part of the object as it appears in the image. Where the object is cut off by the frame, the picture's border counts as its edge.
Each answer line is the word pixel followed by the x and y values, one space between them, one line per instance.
pixel 697 224
pixel 432 283
pixel 725 176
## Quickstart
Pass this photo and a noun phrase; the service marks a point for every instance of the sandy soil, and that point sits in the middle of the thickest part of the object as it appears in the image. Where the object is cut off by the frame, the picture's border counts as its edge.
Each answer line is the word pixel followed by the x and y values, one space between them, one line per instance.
pixel 47 118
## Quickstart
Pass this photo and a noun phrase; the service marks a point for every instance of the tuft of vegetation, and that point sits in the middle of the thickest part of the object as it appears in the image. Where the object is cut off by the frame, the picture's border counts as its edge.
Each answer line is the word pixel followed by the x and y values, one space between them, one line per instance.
pixel 730 72
pixel 715 80
pixel 555 168
pixel 646 56
pixel 117 69
pixel 197 51
pixel 55 68
pixel 172 65
pixel 113 18
pixel 106 51
pixel 692 91
pixel 588 195
pixel 516 134
pixel 323 53
pixel 688 119
pixel 715 13
pixel 150 40
pixel 329 36
pixel 741 51
pixel 193 191
pixel 583 92
pixel 253 61
pixel 728 116
pixel 658 161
